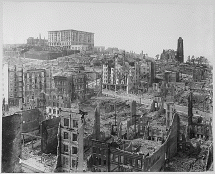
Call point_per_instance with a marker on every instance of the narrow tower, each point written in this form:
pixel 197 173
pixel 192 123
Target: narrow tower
pixel 180 50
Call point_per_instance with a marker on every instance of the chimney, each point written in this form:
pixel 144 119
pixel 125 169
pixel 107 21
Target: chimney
pixel 133 108
pixel 97 122
pixel 190 109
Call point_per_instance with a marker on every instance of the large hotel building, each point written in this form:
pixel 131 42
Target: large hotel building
pixel 71 39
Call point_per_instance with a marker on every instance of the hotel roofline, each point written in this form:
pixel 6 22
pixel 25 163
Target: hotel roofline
pixel 71 30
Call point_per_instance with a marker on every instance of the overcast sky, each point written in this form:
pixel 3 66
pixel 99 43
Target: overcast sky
pixel 133 27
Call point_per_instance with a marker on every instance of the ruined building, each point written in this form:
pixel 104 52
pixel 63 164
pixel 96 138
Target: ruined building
pixel 168 55
pixel 68 86
pixel 15 85
pixel 132 77
pixel 34 84
pixel 113 156
pixel 70 145
pixel 199 128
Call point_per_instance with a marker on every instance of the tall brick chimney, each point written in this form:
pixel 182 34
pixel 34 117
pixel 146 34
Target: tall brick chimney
pixel 133 112
pixel 133 108
pixel 190 108
pixel 97 122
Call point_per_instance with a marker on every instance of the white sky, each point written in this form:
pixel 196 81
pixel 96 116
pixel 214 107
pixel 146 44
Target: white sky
pixel 129 26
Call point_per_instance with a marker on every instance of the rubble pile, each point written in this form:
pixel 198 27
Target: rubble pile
pixel 198 166
pixel 146 146
pixel 192 160
pixel 44 161
pixel 181 163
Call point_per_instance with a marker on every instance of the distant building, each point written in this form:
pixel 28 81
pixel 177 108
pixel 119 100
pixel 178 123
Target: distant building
pixel 99 49
pixel 69 38
pixel 5 83
pixel 65 87
pixel 151 68
pixel 133 77
pixel 37 42
pixel 79 47
pixel 15 86
pixel 168 55
pixel 72 84
pixel 112 50
pixel 199 73
pixel 55 103
pixel 170 76
pixel 34 88
pixel 180 50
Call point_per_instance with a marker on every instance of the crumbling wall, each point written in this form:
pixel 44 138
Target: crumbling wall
pixel 31 120
pixel 58 164
pixel 156 161
pixel 11 143
pixel 49 131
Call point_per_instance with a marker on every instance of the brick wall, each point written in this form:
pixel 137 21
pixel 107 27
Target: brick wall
pixel 49 130
pixel 31 120
pixel 11 143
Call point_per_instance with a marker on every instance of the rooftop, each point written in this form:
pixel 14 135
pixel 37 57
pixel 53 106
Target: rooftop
pixel 70 30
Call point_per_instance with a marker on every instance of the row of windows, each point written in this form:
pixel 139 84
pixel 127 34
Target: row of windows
pixel 60 82
pixel 62 90
pixel 55 111
pixel 65 162
pixel 79 80
pixel 40 74
pixel 69 37
pixel 57 104
pixel 77 87
pixel 66 136
pixel 30 80
pixel 36 86
pixel 98 161
pixel 66 123
pixel 128 161
pixel 66 149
